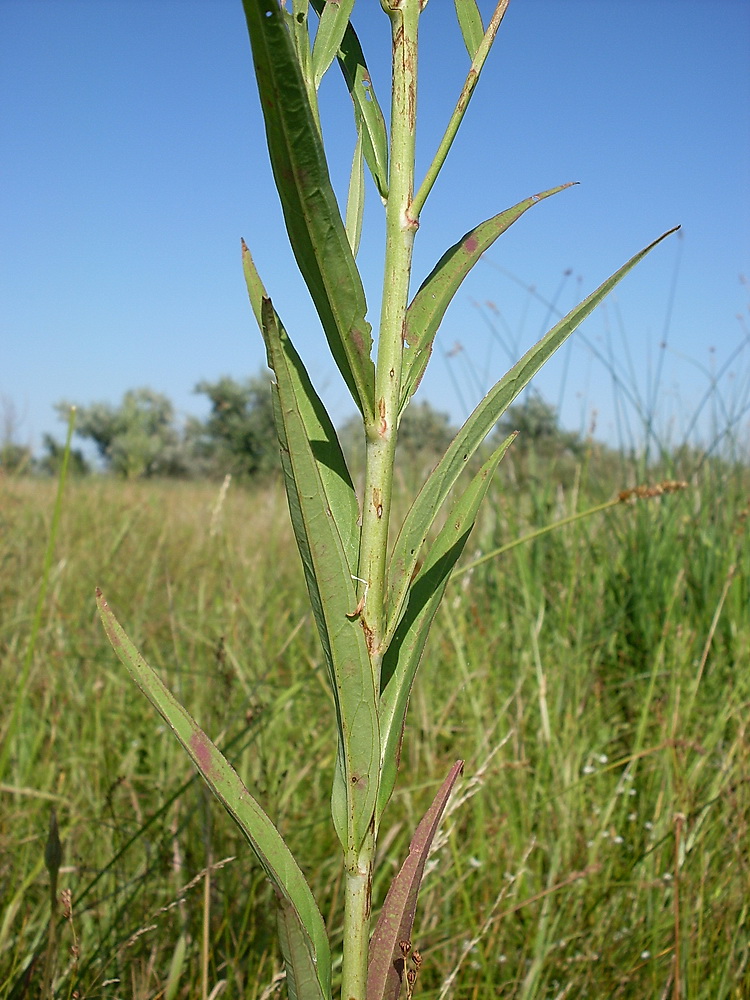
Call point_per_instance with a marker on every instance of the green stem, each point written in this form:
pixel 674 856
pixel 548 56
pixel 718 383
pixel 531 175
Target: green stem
pixel 357 900
pixel 382 430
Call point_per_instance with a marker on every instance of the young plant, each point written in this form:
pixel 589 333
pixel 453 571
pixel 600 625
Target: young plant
pixel 373 606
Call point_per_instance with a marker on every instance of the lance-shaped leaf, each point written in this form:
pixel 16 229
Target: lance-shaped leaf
pixel 355 202
pixel 313 221
pixel 334 19
pixel 366 107
pixel 265 840
pixel 332 595
pixel 426 311
pixel 385 971
pixel 428 502
pixel 334 473
pixel 470 22
pixel 302 982
pixel 402 658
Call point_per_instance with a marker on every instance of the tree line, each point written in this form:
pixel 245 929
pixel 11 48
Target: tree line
pixel 142 436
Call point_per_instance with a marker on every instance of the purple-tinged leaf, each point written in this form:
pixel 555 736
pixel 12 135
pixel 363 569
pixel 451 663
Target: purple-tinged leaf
pixel 265 840
pixel 385 971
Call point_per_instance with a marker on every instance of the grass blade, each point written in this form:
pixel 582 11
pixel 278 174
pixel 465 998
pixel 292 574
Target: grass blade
pixel 425 593
pixel 313 221
pixel 265 840
pixel 470 22
pixel 332 593
pixel 426 311
pixel 432 495
pixel 387 956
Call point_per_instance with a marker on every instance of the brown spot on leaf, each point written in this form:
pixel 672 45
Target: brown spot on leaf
pixel 201 747
pixel 357 339
pixel 471 244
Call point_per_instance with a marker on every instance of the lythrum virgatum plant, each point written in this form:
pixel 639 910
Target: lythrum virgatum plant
pixel 373 604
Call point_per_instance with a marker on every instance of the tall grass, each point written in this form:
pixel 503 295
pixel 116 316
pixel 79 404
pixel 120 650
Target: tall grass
pixel 601 670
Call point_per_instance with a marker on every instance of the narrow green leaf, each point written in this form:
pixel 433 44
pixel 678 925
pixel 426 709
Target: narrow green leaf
pixel 265 840
pixel 333 23
pixel 332 468
pixel 425 593
pixel 470 22
pixel 301 977
pixel 176 967
pixel 454 122
pixel 426 311
pixel 332 594
pixel 430 498
pixel 313 221
pixel 387 961
pixel 366 107
pixel 355 202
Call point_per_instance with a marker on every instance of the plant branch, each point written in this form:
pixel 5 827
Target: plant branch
pixel 463 102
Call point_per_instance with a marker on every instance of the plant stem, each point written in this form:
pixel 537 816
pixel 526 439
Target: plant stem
pixel 381 432
pixel 357 890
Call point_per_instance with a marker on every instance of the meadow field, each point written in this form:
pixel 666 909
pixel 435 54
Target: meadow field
pixel 596 680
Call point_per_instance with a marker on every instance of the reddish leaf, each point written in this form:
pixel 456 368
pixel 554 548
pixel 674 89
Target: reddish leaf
pixel 387 959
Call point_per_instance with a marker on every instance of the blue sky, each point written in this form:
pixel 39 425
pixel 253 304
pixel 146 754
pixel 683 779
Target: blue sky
pixel 134 160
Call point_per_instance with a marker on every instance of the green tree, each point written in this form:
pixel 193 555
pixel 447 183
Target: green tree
pixel 14 457
pixel 538 426
pixel 239 435
pixel 52 458
pixel 135 439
